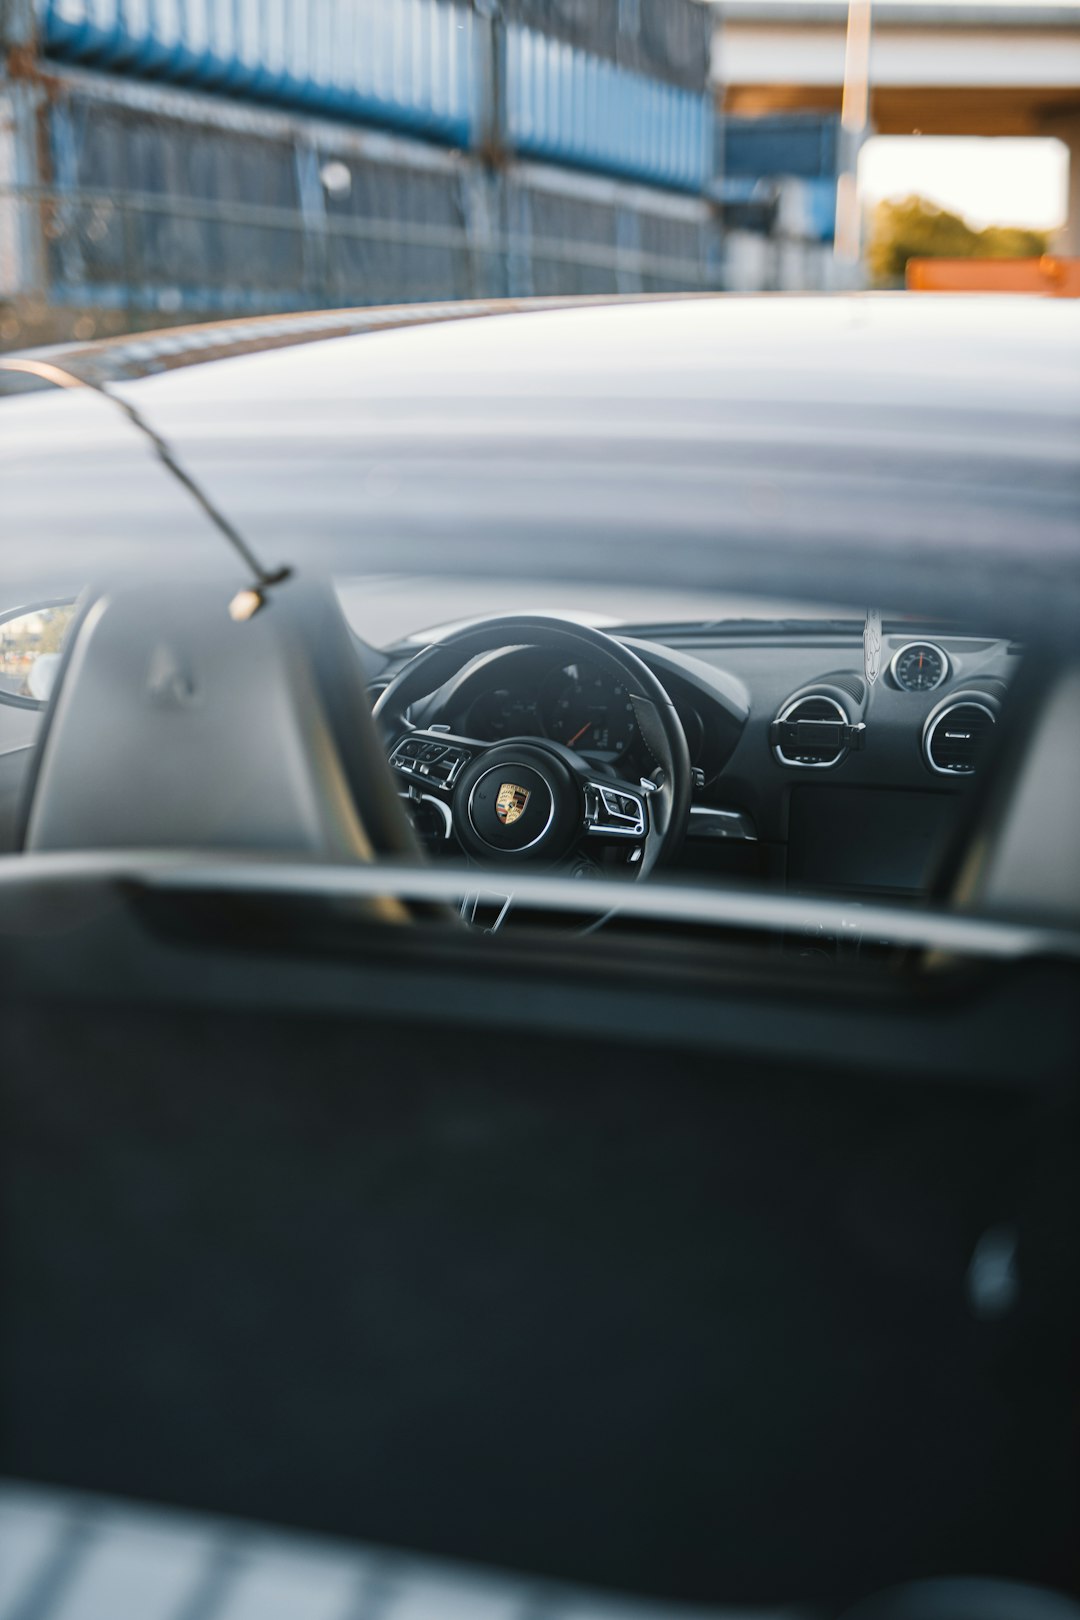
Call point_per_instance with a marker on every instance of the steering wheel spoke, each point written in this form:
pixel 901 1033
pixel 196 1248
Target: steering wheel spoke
pixel 433 761
pixel 615 809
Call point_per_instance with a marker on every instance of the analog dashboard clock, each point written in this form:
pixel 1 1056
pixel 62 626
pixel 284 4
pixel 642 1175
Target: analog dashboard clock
pixel 919 667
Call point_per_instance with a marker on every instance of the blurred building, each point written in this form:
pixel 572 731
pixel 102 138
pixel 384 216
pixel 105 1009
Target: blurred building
pixel 183 161
pixel 777 183
pixel 936 68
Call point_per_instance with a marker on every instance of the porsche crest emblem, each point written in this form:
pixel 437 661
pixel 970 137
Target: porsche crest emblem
pixel 511 802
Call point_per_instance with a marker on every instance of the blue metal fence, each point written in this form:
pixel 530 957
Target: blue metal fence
pixel 407 64
pixel 154 202
pixel 668 40
pixel 417 66
pixel 188 158
pixel 568 106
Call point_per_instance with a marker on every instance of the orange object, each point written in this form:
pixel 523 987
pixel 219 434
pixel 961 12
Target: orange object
pixel 1051 276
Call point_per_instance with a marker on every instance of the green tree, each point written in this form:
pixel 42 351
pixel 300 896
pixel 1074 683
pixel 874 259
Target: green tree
pixel 913 228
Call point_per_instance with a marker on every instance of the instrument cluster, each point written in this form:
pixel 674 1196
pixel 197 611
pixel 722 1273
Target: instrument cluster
pixel 581 705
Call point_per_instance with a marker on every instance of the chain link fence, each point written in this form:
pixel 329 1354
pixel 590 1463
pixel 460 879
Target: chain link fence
pixel 146 207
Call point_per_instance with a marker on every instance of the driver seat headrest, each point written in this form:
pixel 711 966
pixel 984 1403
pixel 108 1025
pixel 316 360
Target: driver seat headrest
pixel 172 726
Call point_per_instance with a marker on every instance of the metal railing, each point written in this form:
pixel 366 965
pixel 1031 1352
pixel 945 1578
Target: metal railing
pixel 139 252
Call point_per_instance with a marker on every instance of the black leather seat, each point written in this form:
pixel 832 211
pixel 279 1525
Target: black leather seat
pixel 173 726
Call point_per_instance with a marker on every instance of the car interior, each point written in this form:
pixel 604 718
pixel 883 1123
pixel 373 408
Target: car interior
pixel 760 707
pixel 717 726
pixel 584 1103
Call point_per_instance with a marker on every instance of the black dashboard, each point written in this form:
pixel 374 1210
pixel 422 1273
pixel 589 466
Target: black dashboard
pixel 806 774
pixel 524 692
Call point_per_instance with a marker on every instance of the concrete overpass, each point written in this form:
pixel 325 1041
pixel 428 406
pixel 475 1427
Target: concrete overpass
pixel 935 68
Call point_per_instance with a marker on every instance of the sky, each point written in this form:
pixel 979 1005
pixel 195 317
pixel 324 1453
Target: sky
pixel 991 182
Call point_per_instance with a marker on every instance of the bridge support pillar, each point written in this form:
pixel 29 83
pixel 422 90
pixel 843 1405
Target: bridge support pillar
pixel 1068 130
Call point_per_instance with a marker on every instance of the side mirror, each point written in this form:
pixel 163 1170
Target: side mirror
pixel 31 642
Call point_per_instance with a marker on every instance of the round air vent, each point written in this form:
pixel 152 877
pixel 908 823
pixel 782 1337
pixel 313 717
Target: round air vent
pixel 810 712
pixel 848 682
pixel 955 736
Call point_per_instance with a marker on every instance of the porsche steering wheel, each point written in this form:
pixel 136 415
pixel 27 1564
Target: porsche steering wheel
pixel 530 799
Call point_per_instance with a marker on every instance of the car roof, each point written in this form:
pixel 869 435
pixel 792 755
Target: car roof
pixel 1036 338
pixel 923 449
